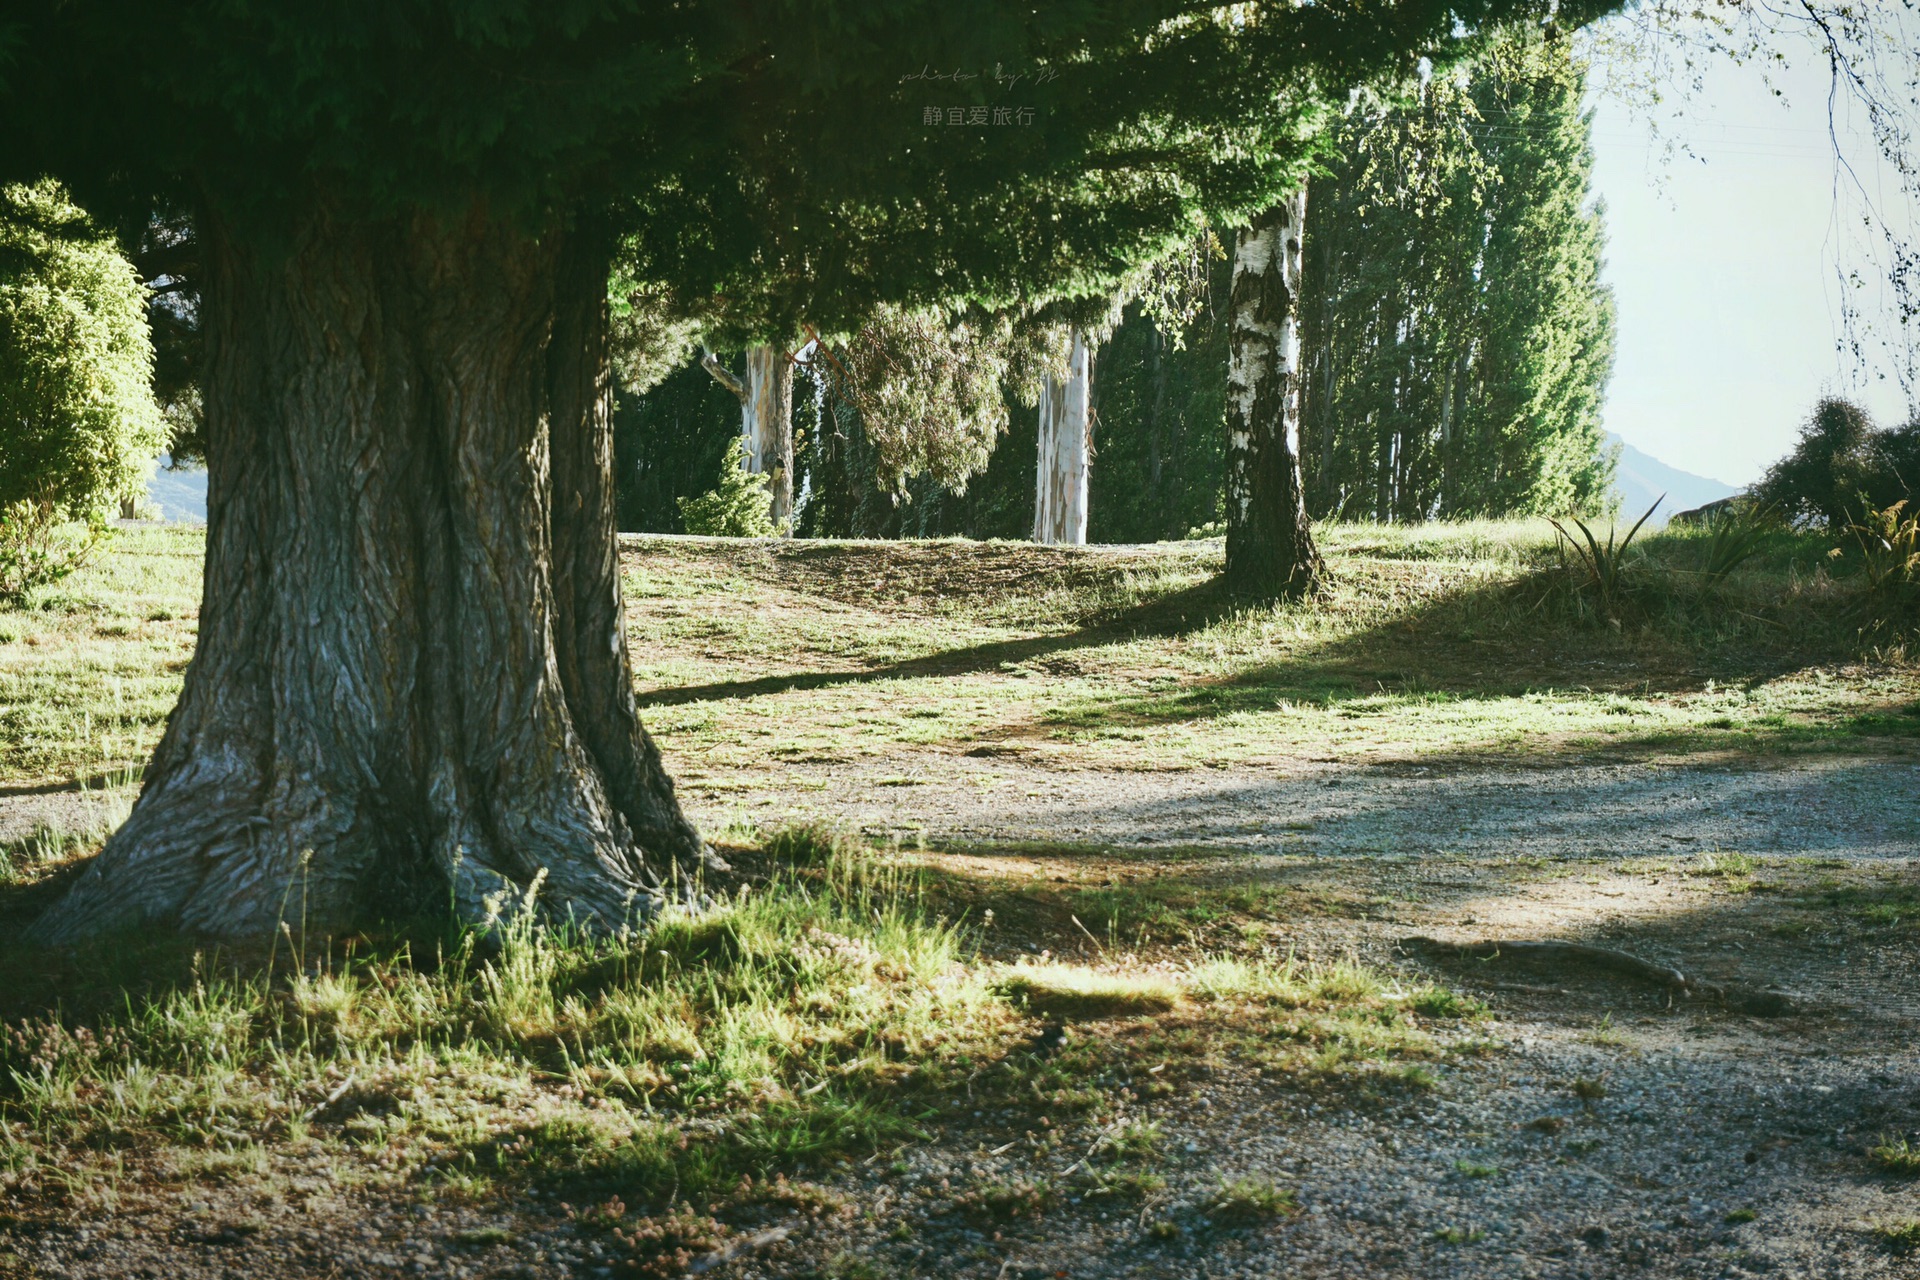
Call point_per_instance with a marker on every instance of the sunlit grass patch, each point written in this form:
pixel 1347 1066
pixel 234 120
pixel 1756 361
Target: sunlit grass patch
pixel 1251 1199
pixel 800 1008
pixel 1436 638
pixel 1722 864
pixel 1079 992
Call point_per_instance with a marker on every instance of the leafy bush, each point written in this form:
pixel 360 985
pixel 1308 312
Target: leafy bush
pixel 1843 468
pixel 740 508
pixel 1889 542
pixel 78 424
pixel 37 548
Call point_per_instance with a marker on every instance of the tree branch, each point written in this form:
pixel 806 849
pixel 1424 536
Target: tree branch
pixel 723 375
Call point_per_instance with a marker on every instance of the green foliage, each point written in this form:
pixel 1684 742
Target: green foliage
pixel 669 442
pixel 1733 537
pixel 1901 1236
pixel 1843 468
pixel 930 389
pixel 825 187
pixel 1159 400
pixel 1895 1155
pixel 38 548
pixel 1604 564
pixel 1456 337
pixel 1889 542
pixel 1251 1199
pixel 78 424
pixel 738 508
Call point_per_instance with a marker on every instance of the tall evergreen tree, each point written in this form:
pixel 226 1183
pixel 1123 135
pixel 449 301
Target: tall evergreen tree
pixel 412 682
pixel 1458 336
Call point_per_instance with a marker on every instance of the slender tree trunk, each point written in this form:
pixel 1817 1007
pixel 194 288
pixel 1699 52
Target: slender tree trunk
pixel 766 423
pixel 1270 551
pixel 1443 500
pixel 411 687
pixel 1066 451
pixel 1157 377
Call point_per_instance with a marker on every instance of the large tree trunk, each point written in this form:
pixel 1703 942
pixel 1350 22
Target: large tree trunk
pixel 1270 551
pixel 766 423
pixel 411 687
pixel 1066 451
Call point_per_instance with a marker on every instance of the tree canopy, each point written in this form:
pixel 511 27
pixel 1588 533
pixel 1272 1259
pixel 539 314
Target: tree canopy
pixel 779 156
pixel 1458 336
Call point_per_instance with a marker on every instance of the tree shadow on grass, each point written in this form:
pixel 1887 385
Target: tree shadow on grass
pixel 1178 613
pixel 1492 640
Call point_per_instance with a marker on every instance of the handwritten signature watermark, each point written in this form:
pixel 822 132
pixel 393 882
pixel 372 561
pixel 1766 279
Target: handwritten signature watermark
pixel 1001 76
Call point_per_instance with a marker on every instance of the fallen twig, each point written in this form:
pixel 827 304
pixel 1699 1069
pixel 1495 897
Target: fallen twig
pixel 332 1098
pixel 728 1252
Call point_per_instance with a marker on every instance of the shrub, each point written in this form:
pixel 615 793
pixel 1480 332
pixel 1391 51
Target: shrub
pixel 1604 564
pixel 741 507
pixel 1843 468
pixel 37 548
pixel 78 424
pixel 1889 541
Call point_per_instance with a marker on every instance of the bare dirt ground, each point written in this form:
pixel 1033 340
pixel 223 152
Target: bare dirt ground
pixel 1707 1143
pixel 1707 1116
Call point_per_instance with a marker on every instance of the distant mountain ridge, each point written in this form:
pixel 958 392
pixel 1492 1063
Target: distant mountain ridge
pixel 1641 478
pixel 180 495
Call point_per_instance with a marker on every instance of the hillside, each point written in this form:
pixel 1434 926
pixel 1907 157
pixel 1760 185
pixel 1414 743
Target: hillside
pixel 1641 478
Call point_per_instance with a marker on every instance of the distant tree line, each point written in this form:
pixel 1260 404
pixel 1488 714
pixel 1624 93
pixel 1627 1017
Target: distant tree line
pixel 1457 346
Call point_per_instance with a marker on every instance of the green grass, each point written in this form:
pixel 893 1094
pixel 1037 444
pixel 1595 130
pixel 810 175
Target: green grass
pixel 1455 638
pixel 89 669
pixel 1901 1236
pixel 1897 1156
pixel 1251 1199
pixel 823 1008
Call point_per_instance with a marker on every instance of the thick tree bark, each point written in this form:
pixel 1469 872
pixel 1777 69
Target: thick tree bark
pixel 1065 472
pixel 411 687
pixel 1270 551
pixel 766 423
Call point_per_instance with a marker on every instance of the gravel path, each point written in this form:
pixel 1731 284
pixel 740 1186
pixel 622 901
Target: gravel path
pixel 1858 807
pixel 1718 1145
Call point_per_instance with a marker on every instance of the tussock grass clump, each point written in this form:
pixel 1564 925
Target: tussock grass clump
pixel 1251 1199
pixel 1722 864
pixel 1076 992
pixel 1901 1236
pixel 1897 1156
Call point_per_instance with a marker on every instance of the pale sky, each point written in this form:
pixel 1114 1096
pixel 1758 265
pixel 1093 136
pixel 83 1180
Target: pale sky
pixel 1723 268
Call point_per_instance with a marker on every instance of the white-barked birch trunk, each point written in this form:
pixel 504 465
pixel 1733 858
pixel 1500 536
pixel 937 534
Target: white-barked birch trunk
pixel 766 422
pixel 1270 549
pixel 1066 450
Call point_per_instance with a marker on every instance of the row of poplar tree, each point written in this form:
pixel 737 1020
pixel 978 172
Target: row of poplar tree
pixel 1456 344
